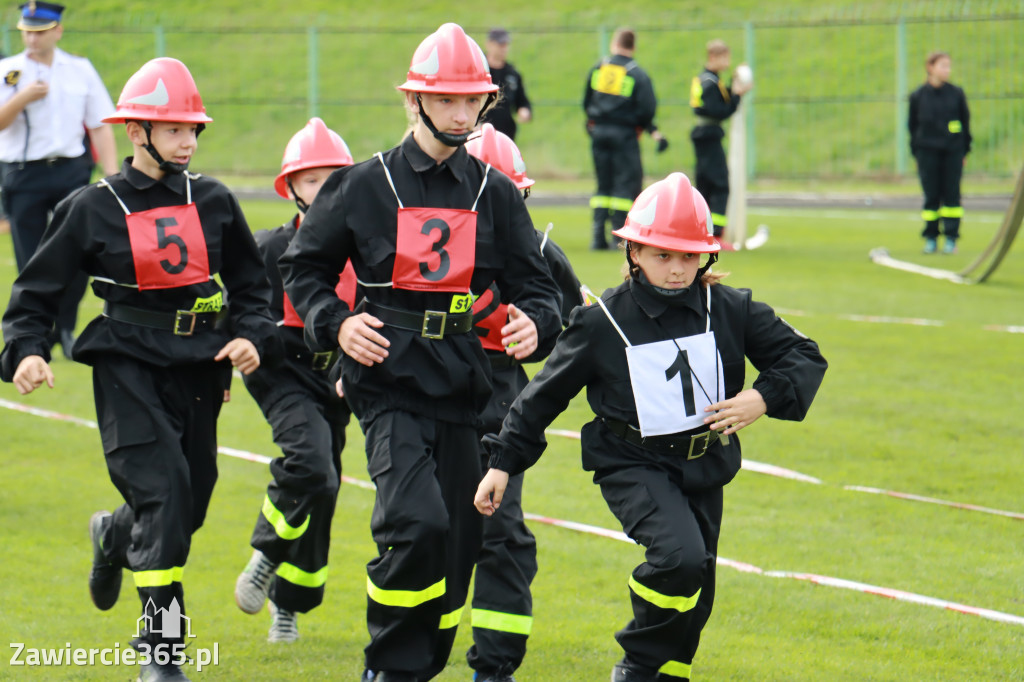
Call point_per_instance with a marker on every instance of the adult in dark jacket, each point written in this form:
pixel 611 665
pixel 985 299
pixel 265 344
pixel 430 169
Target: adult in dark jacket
pixel 512 103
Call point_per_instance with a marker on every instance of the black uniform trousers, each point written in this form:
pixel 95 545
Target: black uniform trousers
pixel 293 528
pixel 712 179
pixel 30 192
pixel 940 171
pixel 427 534
pixel 620 175
pixel 159 432
pixel 502 614
pixel 672 592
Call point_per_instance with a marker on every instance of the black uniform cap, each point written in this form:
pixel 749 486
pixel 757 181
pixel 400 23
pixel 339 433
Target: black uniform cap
pixel 39 16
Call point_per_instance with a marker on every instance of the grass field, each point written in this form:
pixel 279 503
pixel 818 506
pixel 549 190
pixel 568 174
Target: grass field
pixel 930 410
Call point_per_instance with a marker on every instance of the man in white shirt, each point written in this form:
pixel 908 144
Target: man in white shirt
pixel 50 102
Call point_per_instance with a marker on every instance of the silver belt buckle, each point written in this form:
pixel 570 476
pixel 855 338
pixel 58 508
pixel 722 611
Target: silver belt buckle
pixel 179 317
pixel 704 439
pixel 433 324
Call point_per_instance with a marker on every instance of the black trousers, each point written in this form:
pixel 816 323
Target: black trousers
pixel 293 528
pixel 427 533
pixel 502 603
pixel 712 179
pixel 940 172
pixel 620 176
pixel 159 432
pixel 672 592
pixel 29 194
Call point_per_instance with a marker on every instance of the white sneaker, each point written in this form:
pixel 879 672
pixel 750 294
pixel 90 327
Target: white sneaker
pixel 283 627
pixel 253 584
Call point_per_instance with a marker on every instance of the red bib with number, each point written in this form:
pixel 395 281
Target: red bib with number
pixel 346 290
pixel 168 247
pixel 435 249
pixel 489 316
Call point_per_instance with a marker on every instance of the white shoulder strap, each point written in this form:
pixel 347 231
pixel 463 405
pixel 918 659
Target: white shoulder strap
pixel 587 293
pixel 387 173
pixel 104 183
pixel 482 185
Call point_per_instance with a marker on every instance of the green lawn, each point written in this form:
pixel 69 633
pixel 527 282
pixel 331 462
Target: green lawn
pixel 930 410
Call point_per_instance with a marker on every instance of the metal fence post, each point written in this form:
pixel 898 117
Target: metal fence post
pixel 901 97
pixel 159 44
pixel 314 62
pixel 7 41
pixel 748 99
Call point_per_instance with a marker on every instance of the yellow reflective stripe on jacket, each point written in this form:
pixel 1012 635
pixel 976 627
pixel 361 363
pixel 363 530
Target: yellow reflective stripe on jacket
pixel 451 620
pixel 951 212
pixel 620 203
pixel 296 576
pixel 718 220
pixel 600 201
pixel 676 669
pixel 929 216
pixel 955 127
pixel 696 93
pixel 502 622
pixel 681 604
pixel 276 519
pixel 160 578
pixel 406 598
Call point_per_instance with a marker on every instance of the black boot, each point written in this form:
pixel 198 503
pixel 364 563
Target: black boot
pixel 598 242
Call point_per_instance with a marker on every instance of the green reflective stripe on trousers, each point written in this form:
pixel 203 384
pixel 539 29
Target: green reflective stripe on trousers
pixel 276 519
pixel 406 598
pixel 599 201
pixel 502 622
pixel 718 219
pixel 620 204
pixel 929 216
pixel 296 576
pixel 159 578
pixel 451 620
pixel 681 604
pixel 951 212
pixel 676 669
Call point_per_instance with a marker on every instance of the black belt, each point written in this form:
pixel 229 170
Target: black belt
pixel 181 322
pixel 431 324
pixel 49 162
pixel 318 361
pixel 500 360
pixel 694 446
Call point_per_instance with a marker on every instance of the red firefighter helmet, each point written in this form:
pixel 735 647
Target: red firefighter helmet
pixel 315 146
pixel 162 90
pixel 496 148
pixel 672 215
pixel 449 61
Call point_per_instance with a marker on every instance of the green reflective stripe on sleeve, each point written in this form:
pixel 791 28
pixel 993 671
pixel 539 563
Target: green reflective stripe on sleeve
pixel 502 622
pixel 276 519
pixel 718 220
pixel 676 669
pixel 451 620
pixel 600 201
pixel 296 576
pixel 951 212
pixel 159 578
pixel 627 86
pixel 929 216
pixel 406 598
pixel 619 203
pixel 955 127
pixel 681 604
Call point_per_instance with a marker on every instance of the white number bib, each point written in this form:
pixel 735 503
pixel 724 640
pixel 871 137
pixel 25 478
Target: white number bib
pixel 672 384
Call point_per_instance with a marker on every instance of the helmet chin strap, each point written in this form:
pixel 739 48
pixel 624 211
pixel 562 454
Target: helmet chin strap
pixel 165 165
pixel 638 274
pixel 299 203
pixel 448 138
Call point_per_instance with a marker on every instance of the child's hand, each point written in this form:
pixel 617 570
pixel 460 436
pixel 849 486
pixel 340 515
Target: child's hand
pixel 737 412
pixel 519 336
pixel 242 354
pixel 359 341
pixel 490 491
pixel 31 373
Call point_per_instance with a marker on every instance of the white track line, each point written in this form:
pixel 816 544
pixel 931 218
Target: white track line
pixel 933 500
pixel 882 319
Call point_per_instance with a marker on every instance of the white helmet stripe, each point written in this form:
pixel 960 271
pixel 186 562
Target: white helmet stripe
pixel 429 66
pixel 646 215
pixel 158 97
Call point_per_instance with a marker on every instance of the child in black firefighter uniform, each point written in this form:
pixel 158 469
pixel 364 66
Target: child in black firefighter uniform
pixel 293 530
pixel 427 227
pixel 940 139
pixel 152 238
pixel 502 613
pixel 668 397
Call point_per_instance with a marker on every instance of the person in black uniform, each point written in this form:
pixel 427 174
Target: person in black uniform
pixel 512 98
pixel 620 104
pixel 292 537
pixel 940 139
pixel 668 399
pixel 152 237
pixel 427 227
pixel 502 613
pixel 713 103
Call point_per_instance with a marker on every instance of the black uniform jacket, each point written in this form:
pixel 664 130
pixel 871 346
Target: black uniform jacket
pixel 710 99
pixel 564 275
pixel 931 113
pixel 513 98
pixel 89 233
pixel 591 354
pixel 633 106
pixel 354 216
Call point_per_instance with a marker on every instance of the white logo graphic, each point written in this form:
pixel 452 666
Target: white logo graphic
pixel 171 620
pixel 292 153
pixel 646 215
pixel 429 66
pixel 711 224
pixel 517 163
pixel 157 98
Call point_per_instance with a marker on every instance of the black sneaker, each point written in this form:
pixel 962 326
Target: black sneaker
pixel 625 671
pixel 105 577
pixel 161 673
pixel 492 677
